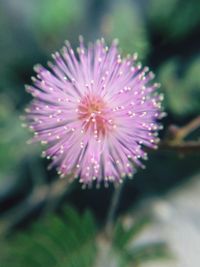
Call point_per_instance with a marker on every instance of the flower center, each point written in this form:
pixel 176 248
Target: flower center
pixel 93 113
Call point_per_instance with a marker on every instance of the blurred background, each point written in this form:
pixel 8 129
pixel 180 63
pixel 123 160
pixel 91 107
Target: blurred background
pixel 156 221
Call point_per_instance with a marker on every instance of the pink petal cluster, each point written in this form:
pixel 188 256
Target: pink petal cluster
pixel 95 111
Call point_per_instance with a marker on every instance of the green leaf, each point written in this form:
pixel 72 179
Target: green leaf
pixel 57 241
pixel 174 18
pixel 13 147
pixel 59 19
pixel 126 23
pixel 146 252
pixel 182 92
pixel 122 237
pixel 129 250
pixel 56 15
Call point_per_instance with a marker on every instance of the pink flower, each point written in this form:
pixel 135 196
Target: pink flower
pixel 95 112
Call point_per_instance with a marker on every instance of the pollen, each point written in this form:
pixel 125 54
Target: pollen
pixel 94 115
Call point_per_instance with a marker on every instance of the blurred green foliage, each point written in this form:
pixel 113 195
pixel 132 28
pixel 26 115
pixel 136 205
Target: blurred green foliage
pixel 69 240
pixel 175 18
pixel 182 91
pixel 59 19
pixel 70 11
pixel 125 23
pixel 60 241
pixel 129 252
pixel 13 139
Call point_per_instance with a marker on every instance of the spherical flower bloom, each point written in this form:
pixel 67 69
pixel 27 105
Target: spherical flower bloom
pixel 95 111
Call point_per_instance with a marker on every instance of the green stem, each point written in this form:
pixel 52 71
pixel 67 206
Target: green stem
pixel 113 207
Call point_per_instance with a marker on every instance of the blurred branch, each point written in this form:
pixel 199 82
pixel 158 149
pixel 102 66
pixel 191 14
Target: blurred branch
pixel 189 128
pixel 44 197
pixel 176 134
pixel 174 139
pixel 182 147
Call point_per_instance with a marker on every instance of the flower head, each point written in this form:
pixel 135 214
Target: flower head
pixel 95 111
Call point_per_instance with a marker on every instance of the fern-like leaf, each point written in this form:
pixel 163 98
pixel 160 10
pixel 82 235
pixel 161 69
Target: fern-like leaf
pixel 122 236
pixel 57 241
